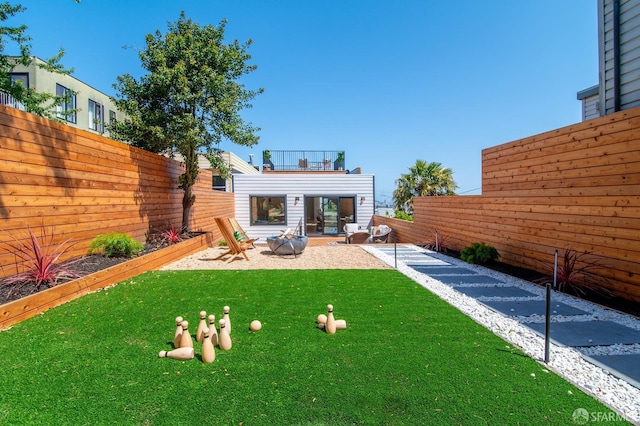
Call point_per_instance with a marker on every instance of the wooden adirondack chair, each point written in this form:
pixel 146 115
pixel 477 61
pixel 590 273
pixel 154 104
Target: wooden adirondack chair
pixel 236 248
pixel 237 228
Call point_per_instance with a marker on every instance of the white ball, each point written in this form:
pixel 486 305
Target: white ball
pixel 255 325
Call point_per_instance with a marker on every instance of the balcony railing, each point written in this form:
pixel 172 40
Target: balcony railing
pixel 303 160
pixel 7 99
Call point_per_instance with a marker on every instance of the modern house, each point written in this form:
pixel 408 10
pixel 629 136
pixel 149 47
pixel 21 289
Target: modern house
pixel 309 192
pixel 619 60
pixel 86 108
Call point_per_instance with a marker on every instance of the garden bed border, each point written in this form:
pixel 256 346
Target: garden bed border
pixel 37 303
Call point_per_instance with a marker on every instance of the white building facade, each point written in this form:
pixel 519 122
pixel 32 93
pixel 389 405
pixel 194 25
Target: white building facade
pixel 313 204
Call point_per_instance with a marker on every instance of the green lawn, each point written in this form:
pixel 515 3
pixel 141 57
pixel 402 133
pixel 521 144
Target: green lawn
pixel 406 357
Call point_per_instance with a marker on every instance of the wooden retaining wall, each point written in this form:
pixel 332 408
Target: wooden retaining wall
pixel 80 184
pixel 576 187
pixel 37 303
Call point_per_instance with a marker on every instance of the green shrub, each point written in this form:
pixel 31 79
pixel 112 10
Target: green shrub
pixel 115 244
pixel 399 214
pixel 479 253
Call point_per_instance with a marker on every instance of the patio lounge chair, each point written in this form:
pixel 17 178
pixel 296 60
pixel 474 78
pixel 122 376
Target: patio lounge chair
pixel 380 234
pixel 237 229
pixel 354 235
pixel 350 229
pixel 361 237
pixel 236 248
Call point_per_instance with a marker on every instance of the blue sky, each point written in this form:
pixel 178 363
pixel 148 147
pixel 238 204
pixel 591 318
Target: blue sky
pixel 389 82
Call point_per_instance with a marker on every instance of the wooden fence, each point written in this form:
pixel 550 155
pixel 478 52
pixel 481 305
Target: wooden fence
pixel 79 184
pixel 577 188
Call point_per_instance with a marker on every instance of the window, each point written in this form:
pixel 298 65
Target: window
pixel 96 116
pixel 20 78
pixel 66 110
pixel 219 184
pixel 112 117
pixel 268 210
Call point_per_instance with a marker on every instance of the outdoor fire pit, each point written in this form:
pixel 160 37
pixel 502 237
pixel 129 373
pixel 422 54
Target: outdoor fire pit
pixel 287 244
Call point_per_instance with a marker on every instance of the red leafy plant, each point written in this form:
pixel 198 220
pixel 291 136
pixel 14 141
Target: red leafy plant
pixel 171 235
pixel 38 258
pixel 578 273
pixel 437 242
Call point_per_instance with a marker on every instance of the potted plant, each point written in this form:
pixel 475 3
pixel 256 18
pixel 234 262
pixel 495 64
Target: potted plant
pixel 340 160
pixel 266 159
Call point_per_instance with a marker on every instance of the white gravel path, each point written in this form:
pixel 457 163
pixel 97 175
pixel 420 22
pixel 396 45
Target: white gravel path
pixel 567 362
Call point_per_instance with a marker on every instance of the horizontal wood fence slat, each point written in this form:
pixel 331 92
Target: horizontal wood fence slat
pixel 79 184
pixel 577 187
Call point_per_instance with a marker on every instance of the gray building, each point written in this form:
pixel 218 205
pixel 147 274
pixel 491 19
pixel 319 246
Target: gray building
pixel 86 108
pixel 619 60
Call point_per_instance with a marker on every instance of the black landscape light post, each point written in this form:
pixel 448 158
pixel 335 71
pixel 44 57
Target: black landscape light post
pixel 548 310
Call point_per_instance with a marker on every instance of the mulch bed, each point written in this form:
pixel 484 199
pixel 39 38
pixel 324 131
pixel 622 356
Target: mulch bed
pixel 84 266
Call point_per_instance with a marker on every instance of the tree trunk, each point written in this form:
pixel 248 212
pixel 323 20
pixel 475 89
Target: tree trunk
pixel 188 199
pixel 187 180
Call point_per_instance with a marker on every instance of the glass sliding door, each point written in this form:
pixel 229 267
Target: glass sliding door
pixel 327 215
pixel 330 211
pixel 347 211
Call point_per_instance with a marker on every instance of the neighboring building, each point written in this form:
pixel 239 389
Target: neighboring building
pixel 238 167
pixel 306 191
pixel 86 108
pixel 235 163
pixel 619 60
pixel 590 102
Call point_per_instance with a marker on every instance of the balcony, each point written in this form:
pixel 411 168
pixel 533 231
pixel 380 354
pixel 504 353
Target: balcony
pixel 303 160
pixel 7 99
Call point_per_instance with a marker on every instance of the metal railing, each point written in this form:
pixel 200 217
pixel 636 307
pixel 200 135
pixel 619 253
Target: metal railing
pixel 7 99
pixel 303 160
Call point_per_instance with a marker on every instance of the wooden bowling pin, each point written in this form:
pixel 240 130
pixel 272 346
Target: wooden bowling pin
pixel 208 352
pixel 322 319
pixel 201 326
pixel 178 334
pixel 212 330
pixel 330 326
pixel 340 325
pixel 224 340
pixel 226 318
pixel 180 353
pixel 185 339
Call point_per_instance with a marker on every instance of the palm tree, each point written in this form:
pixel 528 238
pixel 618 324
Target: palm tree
pixel 423 179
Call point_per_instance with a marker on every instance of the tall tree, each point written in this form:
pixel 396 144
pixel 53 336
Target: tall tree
pixel 423 179
pixel 38 103
pixel 189 100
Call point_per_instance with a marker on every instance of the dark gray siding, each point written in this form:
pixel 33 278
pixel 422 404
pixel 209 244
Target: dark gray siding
pixel 629 55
